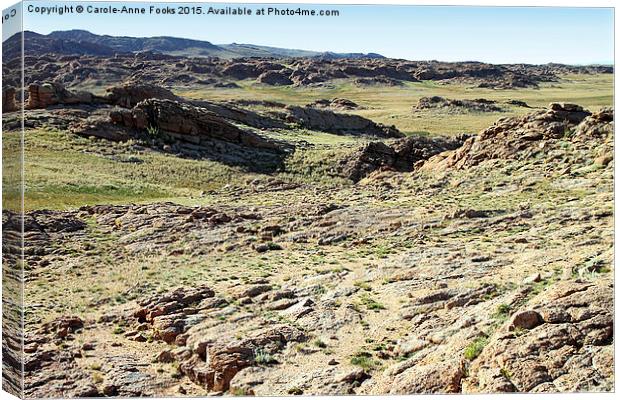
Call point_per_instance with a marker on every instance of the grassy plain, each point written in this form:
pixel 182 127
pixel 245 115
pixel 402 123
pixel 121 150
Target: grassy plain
pixel 392 105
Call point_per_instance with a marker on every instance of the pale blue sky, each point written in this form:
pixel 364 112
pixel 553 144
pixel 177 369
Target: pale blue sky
pixel 491 34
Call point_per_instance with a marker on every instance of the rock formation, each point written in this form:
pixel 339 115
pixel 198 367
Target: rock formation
pixel 341 124
pixel 401 155
pixel 475 105
pixel 52 93
pixel 511 137
pixel 8 100
pixel 187 123
pixel 130 94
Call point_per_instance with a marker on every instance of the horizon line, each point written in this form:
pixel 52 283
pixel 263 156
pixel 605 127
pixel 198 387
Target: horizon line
pixel 319 52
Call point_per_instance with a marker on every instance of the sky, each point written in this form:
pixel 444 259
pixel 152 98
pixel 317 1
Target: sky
pixel 448 33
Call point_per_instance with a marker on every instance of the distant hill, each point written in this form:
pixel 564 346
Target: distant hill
pixel 86 43
pixel 38 44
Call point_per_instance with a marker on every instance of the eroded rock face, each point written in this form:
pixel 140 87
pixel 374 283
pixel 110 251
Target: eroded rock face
pixel 341 124
pixel 8 99
pixel 441 378
pixel 224 358
pixel 52 93
pixel 554 348
pixel 522 136
pixel 149 227
pixel 598 125
pixel 188 123
pixel 50 362
pixel 126 95
pixel 401 155
pixel 171 314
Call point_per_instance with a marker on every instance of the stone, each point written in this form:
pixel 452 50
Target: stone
pixel 444 377
pixel 88 346
pixel 165 356
pixel 528 319
pixel 355 375
pixel 604 159
pixel 532 279
pixel 410 346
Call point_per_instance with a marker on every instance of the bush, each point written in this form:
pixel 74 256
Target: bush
pixel 263 357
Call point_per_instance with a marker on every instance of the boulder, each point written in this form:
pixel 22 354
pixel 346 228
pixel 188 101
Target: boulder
pixel 528 319
pixel 442 377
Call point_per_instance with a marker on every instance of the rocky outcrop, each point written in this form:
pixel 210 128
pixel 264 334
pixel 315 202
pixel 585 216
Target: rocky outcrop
pixel 148 227
pixel 475 105
pixel 523 136
pixel 187 123
pixel 216 363
pixel 8 100
pixel 275 78
pixel 170 315
pixel 563 348
pixel 401 155
pixel 598 125
pixel 232 112
pixel 335 104
pixel 44 64
pixel 377 81
pixel 340 124
pixel 52 93
pixel 241 71
pixel 126 95
pixel 129 94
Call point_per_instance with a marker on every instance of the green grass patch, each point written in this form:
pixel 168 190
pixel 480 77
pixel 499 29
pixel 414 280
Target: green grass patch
pixel 473 350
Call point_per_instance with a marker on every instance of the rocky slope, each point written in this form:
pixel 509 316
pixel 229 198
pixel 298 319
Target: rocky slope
pixel 486 266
